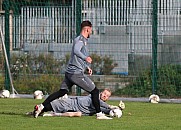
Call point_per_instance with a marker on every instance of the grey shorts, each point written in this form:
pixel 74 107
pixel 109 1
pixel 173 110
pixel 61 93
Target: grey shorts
pixel 81 80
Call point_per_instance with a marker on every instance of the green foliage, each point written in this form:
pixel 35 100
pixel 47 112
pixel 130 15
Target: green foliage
pixel 96 63
pixel 1 69
pixel 102 64
pixel 108 65
pixel 137 64
pixel 1 82
pixel 1 61
pixel 32 72
pixel 46 83
pixel 168 83
pixel 32 64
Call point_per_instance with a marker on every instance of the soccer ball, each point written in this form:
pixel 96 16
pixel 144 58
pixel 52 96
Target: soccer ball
pixel 38 94
pixel 116 113
pixel 5 94
pixel 154 98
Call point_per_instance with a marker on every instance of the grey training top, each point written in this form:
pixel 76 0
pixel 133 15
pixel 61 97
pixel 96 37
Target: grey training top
pixel 79 104
pixel 77 62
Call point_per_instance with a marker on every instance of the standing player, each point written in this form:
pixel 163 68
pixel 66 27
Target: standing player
pixel 74 75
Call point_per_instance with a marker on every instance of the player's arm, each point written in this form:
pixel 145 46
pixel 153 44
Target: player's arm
pixel 105 107
pixel 120 106
pixel 105 110
pixel 77 51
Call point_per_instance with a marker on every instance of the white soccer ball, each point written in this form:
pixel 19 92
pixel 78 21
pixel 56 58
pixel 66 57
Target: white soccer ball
pixel 154 98
pixel 5 94
pixel 38 94
pixel 116 113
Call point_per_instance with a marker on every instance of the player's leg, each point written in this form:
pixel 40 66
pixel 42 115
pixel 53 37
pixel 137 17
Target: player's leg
pixel 86 83
pixel 40 109
pixel 72 114
pixel 66 84
pixel 63 90
pixel 95 99
pixel 47 107
pixel 54 96
pixel 96 102
pixel 59 107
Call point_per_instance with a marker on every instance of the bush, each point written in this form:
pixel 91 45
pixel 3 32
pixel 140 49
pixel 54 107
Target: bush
pixel 1 82
pixel 31 72
pixel 46 83
pixel 32 64
pixel 168 83
pixel 102 65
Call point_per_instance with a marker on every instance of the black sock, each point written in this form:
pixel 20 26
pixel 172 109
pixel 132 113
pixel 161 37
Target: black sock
pixel 95 99
pixel 54 96
pixel 48 107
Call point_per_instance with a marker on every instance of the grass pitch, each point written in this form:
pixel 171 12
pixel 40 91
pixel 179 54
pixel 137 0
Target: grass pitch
pixel 136 116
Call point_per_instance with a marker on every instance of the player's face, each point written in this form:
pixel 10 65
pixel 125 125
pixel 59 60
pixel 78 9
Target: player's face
pixel 89 31
pixel 105 95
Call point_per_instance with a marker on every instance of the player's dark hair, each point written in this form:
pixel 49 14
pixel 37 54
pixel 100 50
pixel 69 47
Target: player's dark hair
pixel 86 23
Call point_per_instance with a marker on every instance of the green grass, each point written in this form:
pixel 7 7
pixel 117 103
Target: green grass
pixel 136 116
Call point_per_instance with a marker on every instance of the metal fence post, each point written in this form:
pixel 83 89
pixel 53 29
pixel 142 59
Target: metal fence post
pixel 154 45
pixel 7 42
pixel 78 22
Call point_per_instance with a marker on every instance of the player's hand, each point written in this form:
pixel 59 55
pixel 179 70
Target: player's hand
pixel 122 105
pixel 89 59
pixel 113 107
pixel 89 71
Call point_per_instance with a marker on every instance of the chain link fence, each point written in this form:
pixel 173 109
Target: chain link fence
pixel 122 44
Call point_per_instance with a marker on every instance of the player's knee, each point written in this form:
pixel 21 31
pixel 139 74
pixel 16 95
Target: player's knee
pixel 95 91
pixel 63 92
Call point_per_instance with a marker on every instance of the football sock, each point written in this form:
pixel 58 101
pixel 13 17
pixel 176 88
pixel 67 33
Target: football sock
pixel 95 99
pixel 54 96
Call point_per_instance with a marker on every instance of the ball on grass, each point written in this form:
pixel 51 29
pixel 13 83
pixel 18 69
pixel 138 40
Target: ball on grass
pixel 154 98
pixel 38 94
pixel 116 113
pixel 5 94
